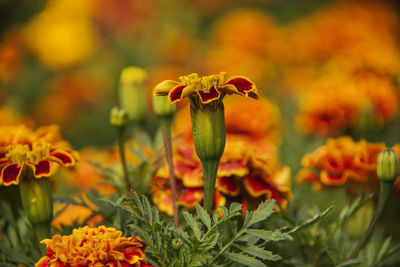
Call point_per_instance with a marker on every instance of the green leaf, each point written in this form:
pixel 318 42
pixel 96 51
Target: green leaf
pixel 234 207
pixel 258 252
pixel 352 262
pixel 203 215
pixel 263 211
pixel 269 235
pixel 148 212
pixel 193 224
pixel 312 220
pixel 384 248
pixel 243 259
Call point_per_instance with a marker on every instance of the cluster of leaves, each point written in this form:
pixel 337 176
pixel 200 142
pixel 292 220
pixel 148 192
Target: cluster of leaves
pixel 17 243
pixel 217 239
pixel 320 244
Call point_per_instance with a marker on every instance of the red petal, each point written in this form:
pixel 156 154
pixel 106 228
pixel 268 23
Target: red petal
pixel 191 197
pixel 63 157
pixel 227 185
pixel 176 93
pixel 207 97
pixel 42 168
pixel 332 178
pixel 243 85
pixel 4 161
pixel 11 173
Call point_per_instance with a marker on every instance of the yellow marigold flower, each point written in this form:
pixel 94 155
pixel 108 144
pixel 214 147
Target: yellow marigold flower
pixel 340 161
pixel 99 246
pixel 41 150
pixel 207 88
pixel 63 35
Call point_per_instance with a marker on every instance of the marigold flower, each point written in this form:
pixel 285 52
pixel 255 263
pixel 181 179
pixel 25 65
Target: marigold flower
pixel 99 246
pixel 41 151
pixel 207 88
pixel 340 161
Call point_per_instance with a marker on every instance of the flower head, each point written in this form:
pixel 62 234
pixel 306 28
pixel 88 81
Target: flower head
pixel 206 89
pixel 99 246
pixel 42 151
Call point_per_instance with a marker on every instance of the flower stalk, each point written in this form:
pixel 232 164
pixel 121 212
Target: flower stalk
pixel 37 202
pixel 387 171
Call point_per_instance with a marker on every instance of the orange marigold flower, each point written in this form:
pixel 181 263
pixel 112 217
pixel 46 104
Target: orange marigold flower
pixel 241 173
pixel 207 88
pixel 330 106
pixel 339 161
pixel 42 150
pixel 99 246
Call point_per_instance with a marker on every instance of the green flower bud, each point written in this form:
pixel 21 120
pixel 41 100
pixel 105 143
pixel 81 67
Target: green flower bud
pixel 387 165
pixel 36 198
pixel 118 117
pixel 176 243
pixel 132 93
pixel 162 107
pixel 208 129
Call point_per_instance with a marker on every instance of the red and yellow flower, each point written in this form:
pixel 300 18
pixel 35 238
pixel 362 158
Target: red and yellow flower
pixel 207 88
pixel 99 246
pixel 42 151
pixel 340 161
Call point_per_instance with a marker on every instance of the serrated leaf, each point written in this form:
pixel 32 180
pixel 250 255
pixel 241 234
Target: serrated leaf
pixel 312 220
pixel 193 224
pixel 258 252
pixel 269 235
pixel 243 259
pixel 234 207
pixel 203 215
pixel 148 212
pixel 263 211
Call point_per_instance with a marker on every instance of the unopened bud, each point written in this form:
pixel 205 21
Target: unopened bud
pixel 176 243
pixel 387 165
pixel 118 117
pixel 162 107
pixel 132 92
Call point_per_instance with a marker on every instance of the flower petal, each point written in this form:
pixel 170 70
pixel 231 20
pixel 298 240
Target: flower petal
pixel 164 87
pixel 207 97
pixel 256 186
pixel 227 186
pixel 4 161
pixel 10 174
pixel 190 197
pixel 237 168
pixel 243 86
pixel 176 93
pixel 332 179
pixel 62 157
pixel 163 201
pixel 42 168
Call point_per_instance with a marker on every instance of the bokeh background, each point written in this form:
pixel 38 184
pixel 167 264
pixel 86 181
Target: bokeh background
pixel 329 67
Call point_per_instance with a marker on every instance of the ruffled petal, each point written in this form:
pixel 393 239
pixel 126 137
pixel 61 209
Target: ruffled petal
pixel 227 186
pixel 62 157
pixel 190 197
pixel 256 186
pixel 10 174
pixel 237 168
pixel 243 86
pixel 332 178
pixel 211 95
pixel 164 87
pixel 176 93
pixel 4 161
pixel 163 201
pixel 42 168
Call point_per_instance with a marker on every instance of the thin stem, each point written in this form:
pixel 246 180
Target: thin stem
pixel 42 231
pixel 166 130
pixel 210 169
pixel 120 139
pixel 227 245
pixel 386 189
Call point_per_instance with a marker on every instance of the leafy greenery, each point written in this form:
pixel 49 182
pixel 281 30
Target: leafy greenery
pixel 217 239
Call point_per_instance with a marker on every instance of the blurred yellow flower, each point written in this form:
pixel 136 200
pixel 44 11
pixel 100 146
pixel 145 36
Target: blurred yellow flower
pixel 63 35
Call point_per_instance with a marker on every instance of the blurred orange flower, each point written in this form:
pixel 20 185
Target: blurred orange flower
pixel 340 161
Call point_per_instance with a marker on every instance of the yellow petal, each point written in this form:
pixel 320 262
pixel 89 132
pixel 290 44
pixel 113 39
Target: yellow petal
pixel 164 87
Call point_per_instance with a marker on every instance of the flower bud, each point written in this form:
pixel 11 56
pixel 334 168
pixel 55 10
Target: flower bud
pixel 387 165
pixel 132 93
pixel 162 107
pixel 36 198
pixel 118 117
pixel 208 129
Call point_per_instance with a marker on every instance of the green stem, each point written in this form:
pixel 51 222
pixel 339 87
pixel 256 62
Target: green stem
pixel 166 130
pixel 210 169
pixel 42 231
pixel 120 139
pixel 385 191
